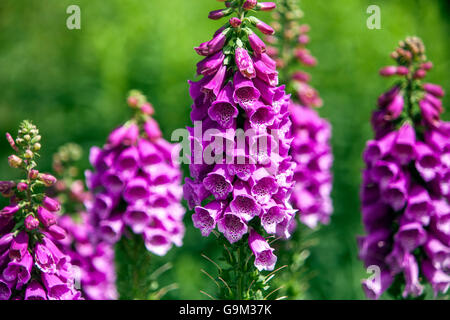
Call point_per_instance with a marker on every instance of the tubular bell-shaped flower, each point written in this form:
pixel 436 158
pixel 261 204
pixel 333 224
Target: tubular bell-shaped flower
pixel 28 256
pixel 404 189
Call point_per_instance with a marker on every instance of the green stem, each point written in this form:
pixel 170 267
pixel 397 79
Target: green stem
pixel 133 263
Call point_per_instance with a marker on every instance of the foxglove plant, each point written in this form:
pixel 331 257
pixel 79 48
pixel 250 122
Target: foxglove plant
pixel 310 148
pixel 93 257
pixel 137 192
pixel 31 265
pixel 243 190
pixel 405 192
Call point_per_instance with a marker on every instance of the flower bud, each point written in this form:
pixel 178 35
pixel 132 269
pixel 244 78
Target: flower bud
pixel 257 44
pixel 37 147
pixel 9 211
pixel 46 217
pixel 388 71
pixel 11 142
pixel 303 39
pixel 47 179
pixel 151 127
pixel 57 232
pixel 147 108
pixel 132 101
pixel 427 65
pixel 6 188
pixel 14 161
pixel 34 174
pixel 217 14
pixel 264 27
pixel 266 6
pixel 420 74
pixel 402 71
pixel 51 204
pixel 250 4
pixel 235 22
pixel 31 222
pixel 28 154
pixel 301 76
pixel 22 186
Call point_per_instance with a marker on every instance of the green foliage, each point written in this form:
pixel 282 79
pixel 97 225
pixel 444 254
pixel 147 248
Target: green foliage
pixel 73 84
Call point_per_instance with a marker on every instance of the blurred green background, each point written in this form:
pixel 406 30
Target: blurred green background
pixel 73 85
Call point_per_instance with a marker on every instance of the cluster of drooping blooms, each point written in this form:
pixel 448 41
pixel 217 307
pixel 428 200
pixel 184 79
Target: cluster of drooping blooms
pixel 310 148
pixel 245 172
pixel 405 192
pixel 31 265
pixel 136 184
pixel 93 257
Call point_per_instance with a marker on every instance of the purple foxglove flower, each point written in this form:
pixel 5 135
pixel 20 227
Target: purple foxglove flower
pixel 395 193
pixel 205 218
pixel 413 286
pixel 35 291
pixel 46 217
pixel 395 259
pixel 375 287
pixel 243 204
pixel 137 217
pixel 9 211
pixel 44 259
pixel 223 110
pixel 404 145
pixel 429 113
pixel 19 246
pixel 116 136
pixel 5 289
pixel 383 172
pixel 152 129
pixel 257 44
pixel 244 63
pixel 212 46
pixel 376 150
pixel 440 281
pixel 435 102
pixel 127 163
pixel 419 205
pixel 242 167
pixel 214 84
pixel 250 4
pixel 376 215
pixel 265 73
pixel 272 217
pixel 438 253
pixel 395 107
pixel 51 204
pixel 410 235
pixel 157 241
pixel 113 184
pixel 5 241
pixel 211 64
pixel 232 226
pixel 262 117
pixel 264 257
pixel 19 270
pixel 245 93
pixel 374 247
pixel 263 186
pixel 218 182
pixel 56 288
pixel 111 229
pixel 57 232
pixel 434 89
pixel 136 190
pixel 103 205
pixel 217 14
pixel 264 27
pixel 194 193
pixel 427 162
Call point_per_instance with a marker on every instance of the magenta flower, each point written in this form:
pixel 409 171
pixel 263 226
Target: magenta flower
pixel 264 257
